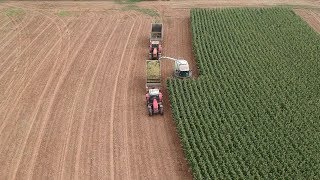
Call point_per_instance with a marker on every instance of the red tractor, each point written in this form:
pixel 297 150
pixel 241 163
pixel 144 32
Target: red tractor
pixel 154 102
pixel 155 49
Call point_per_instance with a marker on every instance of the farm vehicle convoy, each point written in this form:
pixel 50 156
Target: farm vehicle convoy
pixel 154 96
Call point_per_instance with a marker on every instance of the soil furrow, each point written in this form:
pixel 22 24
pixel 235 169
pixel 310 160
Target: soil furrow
pixel 88 95
pixel 57 88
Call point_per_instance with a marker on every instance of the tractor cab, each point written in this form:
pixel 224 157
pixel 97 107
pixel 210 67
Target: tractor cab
pixel 154 94
pixel 155 50
pixel 182 69
pixel 154 44
pixel 154 102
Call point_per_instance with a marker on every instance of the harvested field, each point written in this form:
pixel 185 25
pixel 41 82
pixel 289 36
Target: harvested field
pixel 73 102
pixel 72 83
pixel 311 16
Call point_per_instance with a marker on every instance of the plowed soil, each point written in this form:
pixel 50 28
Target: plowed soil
pixel 72 83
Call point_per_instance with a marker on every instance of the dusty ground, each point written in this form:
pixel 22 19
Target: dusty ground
pixel 72 83
pixel 311 16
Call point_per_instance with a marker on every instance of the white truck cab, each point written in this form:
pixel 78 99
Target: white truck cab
pixel 181 68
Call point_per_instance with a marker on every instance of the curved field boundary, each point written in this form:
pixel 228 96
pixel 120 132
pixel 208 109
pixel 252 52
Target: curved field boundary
pixel 312 17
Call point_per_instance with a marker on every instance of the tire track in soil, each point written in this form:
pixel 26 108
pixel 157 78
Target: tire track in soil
pixel 81 64
pixel 23 74
pixel 78 98
pixel 67 31
pixel 12 45
pixel 13 137
pixel 59 41
pixel 135 171
pixel 52 19
pixel 25 27
pixel 18 95
pixel 23 51
pixel 57 88
pixel 21 88
pixel 96 129
pixel 316 16
pixel 47 54
pixel 55 70
pixel 92 80
pixel 122 121
pixel 16 64
pixel 4 22
pixel 2 54
pixel 59 51
pixel 13 33
pixel 114 91
pixel 311 17
pixel 29 46
pixel 47 15
pixel 129 86
pixel 36 109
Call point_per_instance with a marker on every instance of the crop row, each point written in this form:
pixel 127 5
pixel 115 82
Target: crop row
pixel 254 112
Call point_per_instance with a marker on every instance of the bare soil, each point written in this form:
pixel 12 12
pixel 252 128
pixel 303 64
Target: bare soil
pixel 311 16
pixel 72 83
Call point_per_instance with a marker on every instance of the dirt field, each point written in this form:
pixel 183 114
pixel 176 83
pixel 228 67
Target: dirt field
pixel 72 83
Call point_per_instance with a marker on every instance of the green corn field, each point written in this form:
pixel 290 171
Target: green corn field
pixel 254 110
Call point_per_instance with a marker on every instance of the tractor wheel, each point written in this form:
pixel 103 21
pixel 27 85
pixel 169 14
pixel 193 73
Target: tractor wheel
pixel 161 110
pixel 150 111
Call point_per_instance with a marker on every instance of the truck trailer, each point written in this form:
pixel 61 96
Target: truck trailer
pixel 154 99
pixel 155 46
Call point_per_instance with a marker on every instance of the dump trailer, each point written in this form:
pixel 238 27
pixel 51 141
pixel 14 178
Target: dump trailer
pixel 153 87
pixel 156 32
pixel 156 37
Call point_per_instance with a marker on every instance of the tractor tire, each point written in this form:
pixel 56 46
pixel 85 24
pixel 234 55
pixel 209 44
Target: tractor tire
pixel 150 111
pixel 161 110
